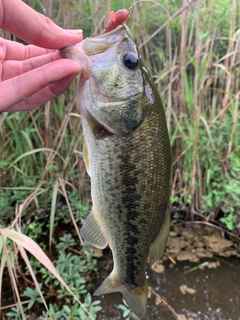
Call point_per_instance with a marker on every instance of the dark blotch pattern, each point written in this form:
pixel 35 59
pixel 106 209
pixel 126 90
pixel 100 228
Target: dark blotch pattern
pixel 131 200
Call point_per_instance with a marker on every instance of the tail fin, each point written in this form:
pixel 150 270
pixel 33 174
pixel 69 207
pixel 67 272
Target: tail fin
pixel 135 298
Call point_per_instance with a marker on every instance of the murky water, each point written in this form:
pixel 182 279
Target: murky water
pixel 217 295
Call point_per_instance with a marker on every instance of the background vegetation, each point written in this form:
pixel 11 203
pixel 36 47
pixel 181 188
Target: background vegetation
pixel 195 61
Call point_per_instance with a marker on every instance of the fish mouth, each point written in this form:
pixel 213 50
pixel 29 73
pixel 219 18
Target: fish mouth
pixel 84 51
pixel 101 43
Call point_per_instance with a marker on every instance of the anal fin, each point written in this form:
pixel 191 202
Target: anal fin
pixel 92 233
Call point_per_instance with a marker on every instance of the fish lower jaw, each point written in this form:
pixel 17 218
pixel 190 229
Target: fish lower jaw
pixel 101 133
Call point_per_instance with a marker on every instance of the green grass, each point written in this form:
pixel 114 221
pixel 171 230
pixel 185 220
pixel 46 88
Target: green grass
pixel 43 184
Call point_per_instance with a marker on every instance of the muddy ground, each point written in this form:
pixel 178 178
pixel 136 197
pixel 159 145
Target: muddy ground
pixel 193 241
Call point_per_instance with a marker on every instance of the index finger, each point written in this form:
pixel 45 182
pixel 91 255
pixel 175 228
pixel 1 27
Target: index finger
pixel 33 27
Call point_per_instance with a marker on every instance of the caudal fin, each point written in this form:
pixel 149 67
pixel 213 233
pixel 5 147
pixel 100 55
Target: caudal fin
pixel 135 298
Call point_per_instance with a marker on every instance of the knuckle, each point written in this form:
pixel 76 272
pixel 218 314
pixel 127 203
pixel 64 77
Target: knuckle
pixel 46 25
pixel 16 86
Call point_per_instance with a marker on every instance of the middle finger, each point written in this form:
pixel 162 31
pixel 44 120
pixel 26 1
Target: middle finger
pixel 13 68
pixel 17 51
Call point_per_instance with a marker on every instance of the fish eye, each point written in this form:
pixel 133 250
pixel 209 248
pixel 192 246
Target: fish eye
pixel 130 61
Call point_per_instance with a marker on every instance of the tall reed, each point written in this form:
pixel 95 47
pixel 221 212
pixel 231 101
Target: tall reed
pixel 195 61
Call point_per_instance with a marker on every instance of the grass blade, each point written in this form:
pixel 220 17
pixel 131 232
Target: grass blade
pixel 31 246
pixel 53 210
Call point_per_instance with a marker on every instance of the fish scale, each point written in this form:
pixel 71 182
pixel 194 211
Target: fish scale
pixel 128 158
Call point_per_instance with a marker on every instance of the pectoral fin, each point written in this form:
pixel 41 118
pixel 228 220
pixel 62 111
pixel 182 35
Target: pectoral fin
pixel 85 157
pixel 158 245
pixel 92 233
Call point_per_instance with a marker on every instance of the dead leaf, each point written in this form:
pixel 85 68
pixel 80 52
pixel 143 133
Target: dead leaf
pixel 184 289
pixel 157 267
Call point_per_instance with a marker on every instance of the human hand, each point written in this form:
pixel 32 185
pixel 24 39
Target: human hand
pixel 31 75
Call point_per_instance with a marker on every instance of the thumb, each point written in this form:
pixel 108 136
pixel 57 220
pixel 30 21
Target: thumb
pixel 33 27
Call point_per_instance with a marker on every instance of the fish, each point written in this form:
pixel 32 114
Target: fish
pixel 128 158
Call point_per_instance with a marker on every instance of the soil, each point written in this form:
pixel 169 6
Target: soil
pixel 194 241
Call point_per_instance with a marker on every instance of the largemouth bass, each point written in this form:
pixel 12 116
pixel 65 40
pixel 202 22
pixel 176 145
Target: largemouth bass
pixel 127 156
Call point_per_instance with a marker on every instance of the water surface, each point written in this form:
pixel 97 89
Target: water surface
pixel 217 295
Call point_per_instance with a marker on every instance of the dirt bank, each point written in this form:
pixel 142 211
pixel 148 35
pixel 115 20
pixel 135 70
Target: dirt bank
pixel 194 241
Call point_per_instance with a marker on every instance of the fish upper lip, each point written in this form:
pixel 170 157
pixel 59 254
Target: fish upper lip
pixel 84 50
pixel 114 36
pixel 103 42
pixel 107 34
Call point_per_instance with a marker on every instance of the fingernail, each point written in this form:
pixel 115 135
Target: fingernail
pixel 74 31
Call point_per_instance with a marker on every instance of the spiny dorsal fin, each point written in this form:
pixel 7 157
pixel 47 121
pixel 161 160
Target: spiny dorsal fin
pixel 158 245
